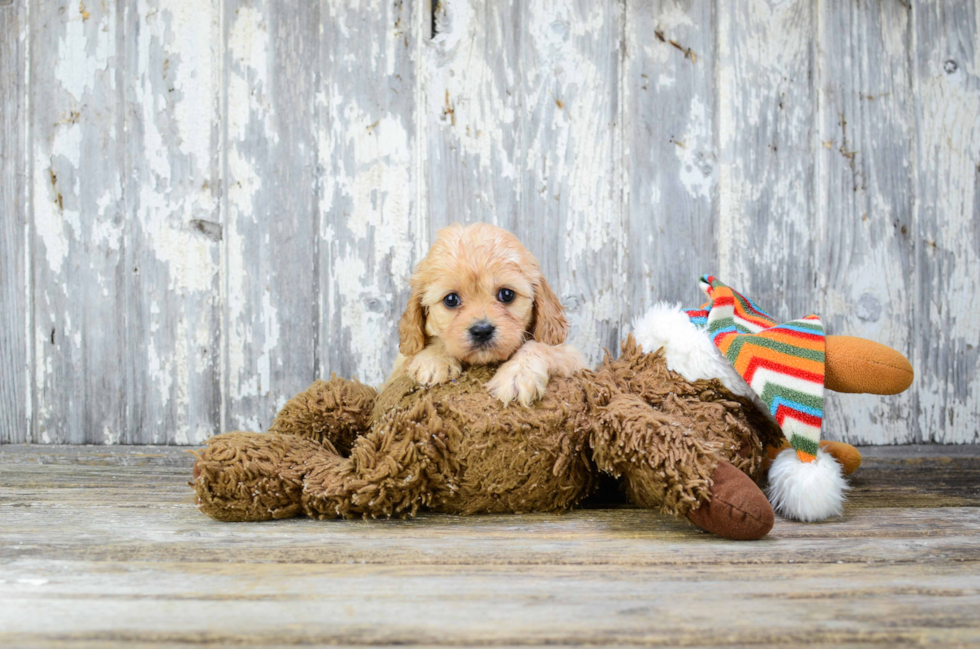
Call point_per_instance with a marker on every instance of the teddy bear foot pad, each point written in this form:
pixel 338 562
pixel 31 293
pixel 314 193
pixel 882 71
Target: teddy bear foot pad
pixel 737 510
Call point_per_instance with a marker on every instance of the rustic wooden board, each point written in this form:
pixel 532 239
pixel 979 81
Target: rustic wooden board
pixel 569 208
pixel 473 114
pixel 84 386
pixel 370 231
pixel 946 83
pixel 765 121
pixel 672 155
pixel 864 247
pixel 15 328
pixel 270 208
pixel 173 228
pixel 107 547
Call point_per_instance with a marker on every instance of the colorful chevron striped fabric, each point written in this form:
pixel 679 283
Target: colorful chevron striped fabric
pixel 783 363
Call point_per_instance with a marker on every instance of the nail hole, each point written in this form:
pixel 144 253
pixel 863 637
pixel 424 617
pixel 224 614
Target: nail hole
pixel 950 66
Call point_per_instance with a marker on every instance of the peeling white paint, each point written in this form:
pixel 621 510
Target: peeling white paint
pixel 697 172
pixel 48 223
pixel 535 129
pixel 188 256
pixel 77 74
pixel 471 103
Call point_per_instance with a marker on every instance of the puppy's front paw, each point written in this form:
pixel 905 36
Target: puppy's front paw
pixel 431 369
pixel 523 380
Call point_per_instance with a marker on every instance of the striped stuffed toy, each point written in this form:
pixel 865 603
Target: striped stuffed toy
pixel 780 367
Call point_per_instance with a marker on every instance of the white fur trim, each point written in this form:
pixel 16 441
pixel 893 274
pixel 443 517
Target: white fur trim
pixel 688 350
pixel 806 491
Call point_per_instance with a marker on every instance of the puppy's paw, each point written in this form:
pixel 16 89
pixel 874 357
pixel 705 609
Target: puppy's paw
pixel 433 368
pixel 520 379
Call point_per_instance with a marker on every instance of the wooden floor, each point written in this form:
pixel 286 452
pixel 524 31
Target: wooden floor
pixel 104 547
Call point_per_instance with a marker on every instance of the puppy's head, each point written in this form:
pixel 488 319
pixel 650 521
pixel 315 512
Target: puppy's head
pixel 482 294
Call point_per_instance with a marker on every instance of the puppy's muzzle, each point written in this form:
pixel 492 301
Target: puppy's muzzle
pixel 481 333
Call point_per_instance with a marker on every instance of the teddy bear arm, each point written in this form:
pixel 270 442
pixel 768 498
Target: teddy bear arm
pixel 242 476
pixel 338 411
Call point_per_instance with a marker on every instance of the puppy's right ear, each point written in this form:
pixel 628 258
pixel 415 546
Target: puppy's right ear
pixel 411 327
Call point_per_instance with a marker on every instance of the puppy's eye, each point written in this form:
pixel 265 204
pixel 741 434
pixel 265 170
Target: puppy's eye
pixel 451 301
pixel 506 295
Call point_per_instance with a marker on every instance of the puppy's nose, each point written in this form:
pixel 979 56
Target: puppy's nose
pixel 482 331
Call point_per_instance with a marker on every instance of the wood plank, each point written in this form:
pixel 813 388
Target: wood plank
pixel 863 251
pixel 107 548
pixel 472 103
pixel 270 209
pixel 570 207
pixel 765 127
pixel 174 230
pixel 449 605
pixel 81 267
pixel 946 229
pixel 672 160
pixel 371 230
pixel 15 366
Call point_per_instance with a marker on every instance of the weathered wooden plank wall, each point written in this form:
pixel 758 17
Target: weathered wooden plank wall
pixel 15 330
pixel 207 205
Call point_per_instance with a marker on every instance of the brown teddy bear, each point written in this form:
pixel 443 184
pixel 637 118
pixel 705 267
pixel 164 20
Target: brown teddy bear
pixel 689 448
pixel 488 410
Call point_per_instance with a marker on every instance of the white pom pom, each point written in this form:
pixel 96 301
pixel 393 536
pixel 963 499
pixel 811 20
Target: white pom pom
pixel 806 491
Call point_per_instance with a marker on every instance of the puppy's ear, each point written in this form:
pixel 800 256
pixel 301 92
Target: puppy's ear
pixel 411 327
pixel 549 325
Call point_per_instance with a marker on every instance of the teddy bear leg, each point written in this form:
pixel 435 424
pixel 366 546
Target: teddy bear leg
pixel 858 365
pixel 663 465
pixel 254 476
pixel 737 509
pixel 337 411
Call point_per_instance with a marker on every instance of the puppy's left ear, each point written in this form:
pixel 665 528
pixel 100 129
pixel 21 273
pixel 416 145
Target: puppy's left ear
pixel 549 325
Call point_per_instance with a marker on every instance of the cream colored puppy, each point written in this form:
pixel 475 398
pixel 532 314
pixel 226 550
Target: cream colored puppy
pixel 478 297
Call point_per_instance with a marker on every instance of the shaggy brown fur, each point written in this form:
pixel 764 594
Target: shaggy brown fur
pixel 342 450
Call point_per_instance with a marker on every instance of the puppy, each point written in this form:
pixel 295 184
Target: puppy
pixel 478 297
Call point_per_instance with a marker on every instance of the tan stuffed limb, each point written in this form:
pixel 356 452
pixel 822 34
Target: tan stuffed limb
pixel 858 365
pixel 666 468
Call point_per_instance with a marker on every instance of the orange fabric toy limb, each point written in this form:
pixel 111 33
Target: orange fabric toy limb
pixel 858 366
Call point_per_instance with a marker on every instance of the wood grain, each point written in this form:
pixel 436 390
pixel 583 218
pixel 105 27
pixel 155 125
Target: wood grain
pixel 471 103
pixel 82 238
pixel 15 308
pixel 107 547
pixel 173 222
pixel 946 228
pixel 766 229
pixel 570 188
pixel 863 248
pixel 271 209
pixel 672 162
pixel 370 231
